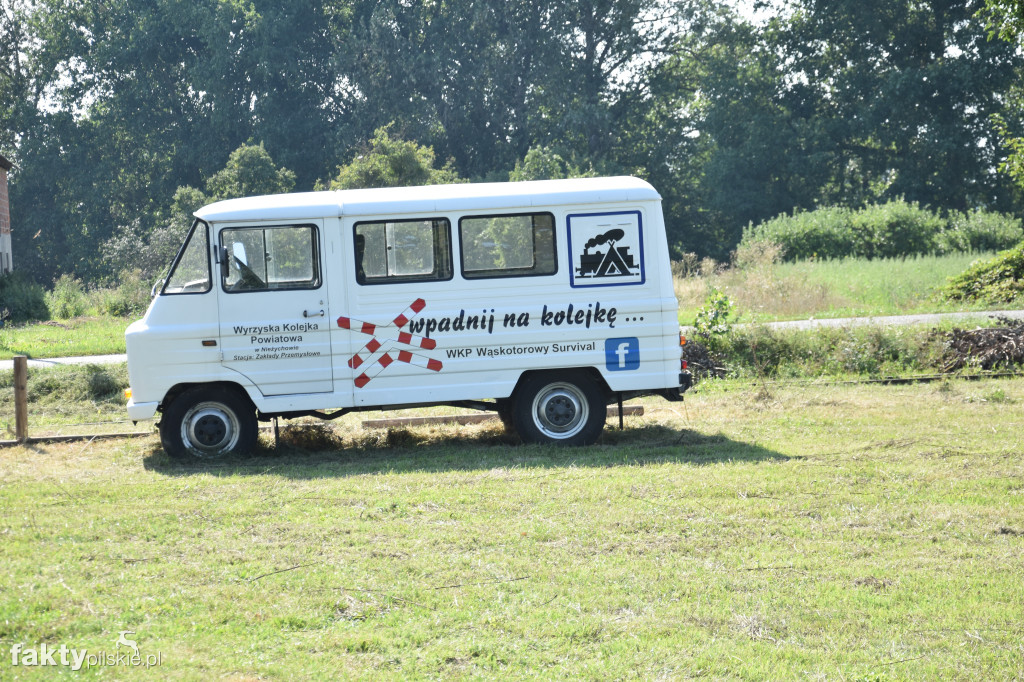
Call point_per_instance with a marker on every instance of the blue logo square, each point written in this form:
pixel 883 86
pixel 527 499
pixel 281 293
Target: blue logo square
pixel 622 354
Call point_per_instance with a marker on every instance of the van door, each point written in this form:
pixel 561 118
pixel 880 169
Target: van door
pixel 273 307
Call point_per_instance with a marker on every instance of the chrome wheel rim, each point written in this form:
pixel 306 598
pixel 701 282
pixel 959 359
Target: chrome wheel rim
pixel 560 410
pixel 210 429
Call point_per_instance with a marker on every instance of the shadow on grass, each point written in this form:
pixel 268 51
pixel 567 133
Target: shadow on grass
pixel 401 450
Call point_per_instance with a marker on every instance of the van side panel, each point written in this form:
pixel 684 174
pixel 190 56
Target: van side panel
pixel 483 334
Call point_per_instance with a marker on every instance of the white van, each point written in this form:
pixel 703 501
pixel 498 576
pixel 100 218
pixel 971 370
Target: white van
pixel 543 301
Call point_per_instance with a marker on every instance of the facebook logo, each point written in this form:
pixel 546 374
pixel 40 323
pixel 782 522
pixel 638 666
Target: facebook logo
pixel 622 354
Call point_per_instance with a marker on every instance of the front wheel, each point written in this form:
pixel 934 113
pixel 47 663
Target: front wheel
pixel 206 423
pixel 567 409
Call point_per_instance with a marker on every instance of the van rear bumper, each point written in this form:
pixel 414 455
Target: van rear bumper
pixel 676 392
pixel 138 411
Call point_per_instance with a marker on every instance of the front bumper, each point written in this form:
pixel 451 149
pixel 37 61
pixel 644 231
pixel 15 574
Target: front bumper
pixel 140 411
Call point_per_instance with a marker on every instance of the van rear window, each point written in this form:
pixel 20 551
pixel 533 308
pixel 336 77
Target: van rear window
pixel 508 245
pixel 403 251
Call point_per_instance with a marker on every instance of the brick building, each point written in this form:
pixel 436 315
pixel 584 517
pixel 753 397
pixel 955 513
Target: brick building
pixel 5 218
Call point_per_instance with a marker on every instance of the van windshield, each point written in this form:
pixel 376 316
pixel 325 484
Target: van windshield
pixel 190 273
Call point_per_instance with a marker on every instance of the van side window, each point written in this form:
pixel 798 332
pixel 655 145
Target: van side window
pixel 508 245
pixel 190 273
pixel 403 251
pixel 269 258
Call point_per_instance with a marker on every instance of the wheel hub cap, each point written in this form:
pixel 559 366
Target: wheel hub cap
pixel 560 411
pixel 209 430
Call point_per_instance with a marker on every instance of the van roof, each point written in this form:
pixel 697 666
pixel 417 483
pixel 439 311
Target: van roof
pixel 431 199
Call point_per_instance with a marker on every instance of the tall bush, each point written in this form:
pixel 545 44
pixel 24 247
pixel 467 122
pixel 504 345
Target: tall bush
pixel 824 233
pixel 981 231
pixel 67 299
pixel 891 230
pixel 999 279
pixel 21 299
pixel 129 297
pixel 894 229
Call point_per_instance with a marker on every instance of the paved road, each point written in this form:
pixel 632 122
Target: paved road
pixel 934 318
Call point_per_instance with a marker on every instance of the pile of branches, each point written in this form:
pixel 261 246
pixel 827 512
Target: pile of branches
pixel 987 348
pixel 700 361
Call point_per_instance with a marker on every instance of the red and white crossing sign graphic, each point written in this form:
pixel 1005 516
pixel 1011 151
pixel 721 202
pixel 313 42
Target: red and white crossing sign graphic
pixel 380 351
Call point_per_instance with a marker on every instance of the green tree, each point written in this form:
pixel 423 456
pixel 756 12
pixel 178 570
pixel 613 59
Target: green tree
pixel 457 76
pixel 850 102
pixel 543 163
pixel 483 82
pixel 911 98
pixel 393 162
pixel 1005 19
pixel 249 171
pixel 124 102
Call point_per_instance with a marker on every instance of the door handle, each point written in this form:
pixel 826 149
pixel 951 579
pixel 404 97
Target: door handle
pixel 306 313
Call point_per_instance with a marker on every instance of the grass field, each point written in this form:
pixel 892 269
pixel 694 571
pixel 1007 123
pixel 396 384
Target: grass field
pixel 853 287
pixel 753 532
pixel 64 338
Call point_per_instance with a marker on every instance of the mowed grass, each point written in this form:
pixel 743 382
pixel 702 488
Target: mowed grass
pixel 64 338
pixel 752 532
pixel 76 399
pixel 850 287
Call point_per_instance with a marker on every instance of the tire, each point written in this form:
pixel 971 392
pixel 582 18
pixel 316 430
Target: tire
pixel 563 408
pixel 207 423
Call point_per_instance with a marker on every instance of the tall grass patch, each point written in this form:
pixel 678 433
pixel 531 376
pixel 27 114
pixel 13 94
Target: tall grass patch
pixel 764 288
pixel 67 298
pixel 66 397
pixel 70 297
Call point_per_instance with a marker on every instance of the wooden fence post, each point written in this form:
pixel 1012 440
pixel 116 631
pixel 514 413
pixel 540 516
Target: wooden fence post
pixel 20 398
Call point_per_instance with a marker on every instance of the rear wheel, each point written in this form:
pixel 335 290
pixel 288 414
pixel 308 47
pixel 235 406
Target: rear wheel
pixel 566 408
pixel 206 423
